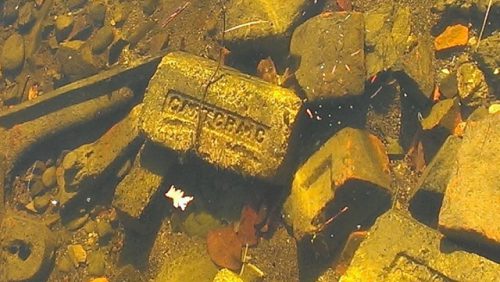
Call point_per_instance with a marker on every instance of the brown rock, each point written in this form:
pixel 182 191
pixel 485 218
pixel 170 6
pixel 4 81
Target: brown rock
pixel 452 36
pixel 471 204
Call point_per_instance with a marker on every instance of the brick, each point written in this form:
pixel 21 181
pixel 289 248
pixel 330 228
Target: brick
pixel 349 170
pixel 399 248
pixel 240 123
pixel 471 204
pixel 134 193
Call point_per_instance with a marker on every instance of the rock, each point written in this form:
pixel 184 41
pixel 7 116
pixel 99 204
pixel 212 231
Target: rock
pixel 135 192
pixel 12 57
pixel 448 84
pixel 453 36
pixel 414 67
pixel 42 202
pixel 472 87
pixel 324 185
pixel 192 262
pixel 26 248
pixel 488 56
pixel 494 108
pixel 26 16
pixel 226 275
pixel 77 254
pixel 75 4
pixel 427 199
pixel 97 13
pixel 36 187
pixel 470 206
pixel 64 26
pixel 76 61
pixel 445 114
pixel 118 15
pixel 199 224
pixel 77 223
pixel 96 263
pixel 102 39
pixel 149 6
pixel 64 263
pixel 398 248
pixel 49 177
pixel 233 114
pixel 387 36
pixel 90 164
pixel 104 230
pixel 331 51
pixel 272 30
pixel 10 12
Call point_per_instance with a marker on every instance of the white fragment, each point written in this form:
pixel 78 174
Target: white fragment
pixel 178 198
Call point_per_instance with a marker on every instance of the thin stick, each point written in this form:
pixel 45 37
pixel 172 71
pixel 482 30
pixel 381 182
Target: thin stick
pixel 211 79
pixel 484 22
pixel 245 25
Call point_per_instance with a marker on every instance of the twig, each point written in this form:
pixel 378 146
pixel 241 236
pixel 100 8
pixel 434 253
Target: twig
pixel 175 14
pixel 484 22
pixel 245 25
pixel 212 78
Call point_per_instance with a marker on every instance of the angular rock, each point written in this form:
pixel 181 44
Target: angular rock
pixel 349 170
pixel 229 119
pixel 414 68
pixel 387 34
pixel 88 165
pixel 262 21
pixel 76 60
pixel 331 51
pixel 471 203
pixel 453 36
pixel 472 87
pixel 488 55
pixel 399 248
pixel 140 185
pixel 445 114
pixel 26 249
pixel 427 200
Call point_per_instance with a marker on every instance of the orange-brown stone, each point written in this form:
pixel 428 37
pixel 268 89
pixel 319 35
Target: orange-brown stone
pixel 452 36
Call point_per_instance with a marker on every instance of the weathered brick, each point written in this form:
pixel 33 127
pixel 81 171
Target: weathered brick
pixel 399 248
pixel 229 119
pixel 349 170
pixel 471 204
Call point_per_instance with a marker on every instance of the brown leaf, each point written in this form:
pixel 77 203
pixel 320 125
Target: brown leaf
pixel 344 5
pixel 247 232
pixel 224 247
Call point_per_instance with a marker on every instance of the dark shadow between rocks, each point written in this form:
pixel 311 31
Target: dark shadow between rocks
pixel 364 203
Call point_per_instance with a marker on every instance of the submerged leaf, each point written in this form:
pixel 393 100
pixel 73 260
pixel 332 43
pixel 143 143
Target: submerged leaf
pixel 224 247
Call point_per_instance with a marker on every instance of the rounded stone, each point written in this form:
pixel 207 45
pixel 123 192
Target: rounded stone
pixel 49 177
pixel 97 13
pixel 12 57
pixel 64 25
pixel 104 229
pixel 103 37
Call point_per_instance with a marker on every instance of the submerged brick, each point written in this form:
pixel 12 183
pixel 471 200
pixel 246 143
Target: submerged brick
pixel 227 118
